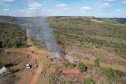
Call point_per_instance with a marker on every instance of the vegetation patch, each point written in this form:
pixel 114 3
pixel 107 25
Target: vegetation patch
pixel 87 81
pixel 68 65
pixel 81 67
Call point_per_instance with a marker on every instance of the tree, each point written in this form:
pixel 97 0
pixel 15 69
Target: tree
pixel 97 62
pixel 87 81
pixel 81 66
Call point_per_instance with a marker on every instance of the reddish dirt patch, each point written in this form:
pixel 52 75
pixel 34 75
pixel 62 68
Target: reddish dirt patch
pixel 36 74
pixel 33 55
pixel 25 75
pixel 38 70
pixel 73 71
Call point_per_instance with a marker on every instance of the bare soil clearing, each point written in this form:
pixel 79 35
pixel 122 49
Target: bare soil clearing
pixel 73 71
pixel 18 60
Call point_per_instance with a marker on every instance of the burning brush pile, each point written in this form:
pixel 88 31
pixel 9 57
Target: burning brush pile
pixel 67 58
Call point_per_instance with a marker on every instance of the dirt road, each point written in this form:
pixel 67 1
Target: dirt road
pixel 38 69
pixel 37 72
pixel 35 56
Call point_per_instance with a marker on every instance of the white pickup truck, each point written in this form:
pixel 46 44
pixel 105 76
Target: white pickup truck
pixel 28 66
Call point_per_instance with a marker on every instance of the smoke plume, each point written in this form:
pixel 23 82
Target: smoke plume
pixel 39 29
pixel 49 38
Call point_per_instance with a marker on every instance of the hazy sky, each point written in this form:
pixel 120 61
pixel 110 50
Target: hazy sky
pixel 97 8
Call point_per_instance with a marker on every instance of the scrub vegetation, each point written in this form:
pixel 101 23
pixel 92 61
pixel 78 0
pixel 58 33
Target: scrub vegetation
pixel 98 43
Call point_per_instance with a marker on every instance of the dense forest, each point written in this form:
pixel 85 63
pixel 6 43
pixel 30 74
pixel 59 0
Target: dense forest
pixel 12 36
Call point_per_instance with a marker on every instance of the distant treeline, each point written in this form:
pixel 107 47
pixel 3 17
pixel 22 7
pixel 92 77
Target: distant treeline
pixel 8 19
pixel 12 36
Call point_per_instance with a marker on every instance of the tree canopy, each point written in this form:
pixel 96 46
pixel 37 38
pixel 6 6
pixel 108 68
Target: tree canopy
pixel 12 36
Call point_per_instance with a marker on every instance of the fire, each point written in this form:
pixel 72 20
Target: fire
pixel 62 59
pixel 70 61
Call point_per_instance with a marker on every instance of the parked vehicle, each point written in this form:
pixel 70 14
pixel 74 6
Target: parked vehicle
pixel 28 66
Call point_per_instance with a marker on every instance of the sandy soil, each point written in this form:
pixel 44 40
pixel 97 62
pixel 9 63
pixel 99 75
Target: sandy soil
pixel 74 71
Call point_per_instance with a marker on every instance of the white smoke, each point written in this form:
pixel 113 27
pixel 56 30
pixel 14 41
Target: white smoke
pixel 39 29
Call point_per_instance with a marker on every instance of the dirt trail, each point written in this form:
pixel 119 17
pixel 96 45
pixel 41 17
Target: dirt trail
pixel 35 56
pixel 38 70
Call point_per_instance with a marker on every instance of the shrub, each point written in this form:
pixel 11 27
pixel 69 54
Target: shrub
pixel 81 67
pixel 87 81
pixel 97 62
